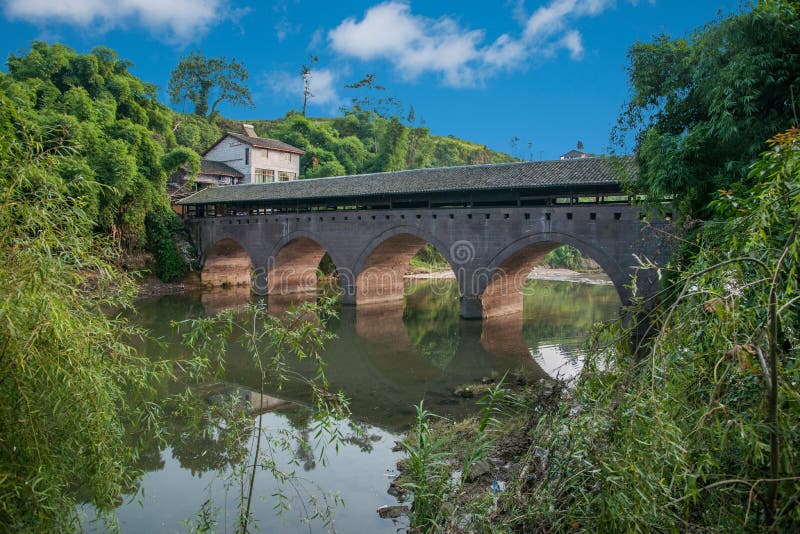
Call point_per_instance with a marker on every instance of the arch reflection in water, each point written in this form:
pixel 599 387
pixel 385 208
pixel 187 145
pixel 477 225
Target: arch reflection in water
pixel 219 299
pixel 558 317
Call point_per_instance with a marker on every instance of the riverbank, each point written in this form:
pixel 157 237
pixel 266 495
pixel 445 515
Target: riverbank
pixel 486 465
pixel 151 286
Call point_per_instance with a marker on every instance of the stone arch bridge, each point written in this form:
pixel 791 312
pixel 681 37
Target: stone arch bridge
pixel 492 223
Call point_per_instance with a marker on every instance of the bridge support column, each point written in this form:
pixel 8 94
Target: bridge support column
pixel 471 307
pixel 347 285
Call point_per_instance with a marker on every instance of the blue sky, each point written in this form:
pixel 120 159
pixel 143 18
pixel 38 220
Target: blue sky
pixel 549 72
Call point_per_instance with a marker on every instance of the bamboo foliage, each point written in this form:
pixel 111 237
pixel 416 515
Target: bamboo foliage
pixel 68 380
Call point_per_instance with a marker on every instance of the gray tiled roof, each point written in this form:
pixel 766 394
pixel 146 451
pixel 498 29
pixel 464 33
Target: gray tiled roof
pixel 263 142
pixel 584 174
pixel 208 166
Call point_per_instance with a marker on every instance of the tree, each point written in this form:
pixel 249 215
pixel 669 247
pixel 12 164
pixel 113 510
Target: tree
pixel 305 73
pixel 579 146
pixel 392 152
pixel 198 78
pixel 118 143
pixel 386 107
pixel 411 118
pixel 703 105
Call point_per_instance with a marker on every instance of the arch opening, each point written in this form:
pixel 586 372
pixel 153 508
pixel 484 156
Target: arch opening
pixel 298 267
pixel 227 264
pixel 382 277
pixel 504 292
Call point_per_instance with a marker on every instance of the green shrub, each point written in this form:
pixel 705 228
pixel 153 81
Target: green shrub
pixel 162 226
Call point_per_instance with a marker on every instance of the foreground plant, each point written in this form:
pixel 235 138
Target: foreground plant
pixel 438 495
pixel 69 382
pixel 272 342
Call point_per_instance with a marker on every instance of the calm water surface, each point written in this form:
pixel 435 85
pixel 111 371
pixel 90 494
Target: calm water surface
pixel 385 360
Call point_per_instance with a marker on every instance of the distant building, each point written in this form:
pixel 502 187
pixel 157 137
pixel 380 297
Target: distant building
pixel 576 154
pixel 240 158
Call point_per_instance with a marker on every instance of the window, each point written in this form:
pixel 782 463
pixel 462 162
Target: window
pixel 284 176
pixel 247 156
pixel 263 176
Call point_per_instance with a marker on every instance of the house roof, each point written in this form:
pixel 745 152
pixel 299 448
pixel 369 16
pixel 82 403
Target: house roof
pixel 219 168
pixel 585 174
pixel 258 142
pixel 575 154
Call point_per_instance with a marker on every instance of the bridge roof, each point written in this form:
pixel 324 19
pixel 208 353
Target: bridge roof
pixel 585 175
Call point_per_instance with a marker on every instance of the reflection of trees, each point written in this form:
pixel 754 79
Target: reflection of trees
pixel 431 317
pixel 558 310
pixel 208 434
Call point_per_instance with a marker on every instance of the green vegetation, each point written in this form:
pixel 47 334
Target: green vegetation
pixel 694 426
pixel 429 259
pixel 69 383
pixel 441 501
pixel 703 106
pixel 117 145
pixel 162 227
pixel 364 141
pixel 568 257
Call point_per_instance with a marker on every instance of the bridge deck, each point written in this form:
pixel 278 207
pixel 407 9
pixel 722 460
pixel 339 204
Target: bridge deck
pixel 498 184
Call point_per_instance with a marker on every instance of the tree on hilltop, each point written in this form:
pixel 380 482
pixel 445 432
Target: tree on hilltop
pixel 198 78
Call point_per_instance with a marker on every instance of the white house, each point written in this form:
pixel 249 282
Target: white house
pixel 576 154
pixel 258 159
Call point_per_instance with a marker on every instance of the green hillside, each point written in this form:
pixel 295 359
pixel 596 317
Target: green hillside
pixel 365 142
pixel 355 143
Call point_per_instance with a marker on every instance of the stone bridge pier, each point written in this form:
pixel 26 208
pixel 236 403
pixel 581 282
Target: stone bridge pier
pixel 490 250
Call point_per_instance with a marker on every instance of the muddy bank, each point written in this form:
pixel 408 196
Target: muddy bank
pixel 151 286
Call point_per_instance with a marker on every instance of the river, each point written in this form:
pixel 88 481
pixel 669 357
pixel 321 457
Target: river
pixel 385 361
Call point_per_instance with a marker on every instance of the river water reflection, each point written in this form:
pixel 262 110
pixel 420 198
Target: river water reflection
pixel 385 360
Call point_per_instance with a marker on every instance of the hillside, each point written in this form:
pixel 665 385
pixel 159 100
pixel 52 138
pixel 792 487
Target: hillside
pixel 354 143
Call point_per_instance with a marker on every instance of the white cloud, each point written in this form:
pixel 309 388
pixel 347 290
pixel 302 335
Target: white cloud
pixel 417 45
pixel 323 86
pixel 387 28
pixel 573 42
pixel 178 19
pixel 283 27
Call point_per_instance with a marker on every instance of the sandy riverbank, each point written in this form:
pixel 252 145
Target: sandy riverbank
pixel 538 273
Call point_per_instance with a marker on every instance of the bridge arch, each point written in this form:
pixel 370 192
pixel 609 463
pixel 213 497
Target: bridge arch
pixel 293 264
pixel 227 263
pixel 381 267
pixel 500 285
